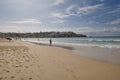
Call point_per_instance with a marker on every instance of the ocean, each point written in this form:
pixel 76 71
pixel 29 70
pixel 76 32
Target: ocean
pixel 101 48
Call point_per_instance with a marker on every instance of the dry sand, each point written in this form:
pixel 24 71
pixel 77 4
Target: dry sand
pixel 26 61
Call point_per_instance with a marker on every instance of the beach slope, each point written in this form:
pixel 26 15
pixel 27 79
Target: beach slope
pixel 26 61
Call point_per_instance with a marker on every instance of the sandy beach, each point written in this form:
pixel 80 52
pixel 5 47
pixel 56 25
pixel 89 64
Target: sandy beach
pixel 27 61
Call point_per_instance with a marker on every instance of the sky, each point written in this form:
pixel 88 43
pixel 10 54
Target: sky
pixel 90 17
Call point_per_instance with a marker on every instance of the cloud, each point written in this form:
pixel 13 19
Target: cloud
pixel 86 30
pixel 19 28
pixel 70 8
pixel 114 11
pixel 59 21
pixel 115 22
pixel 59 15
pixel 57 2
pixel 8 28
pixel 26 21
pixel 101 0
pixel 96 30
pixel 89 9
pixel 74 10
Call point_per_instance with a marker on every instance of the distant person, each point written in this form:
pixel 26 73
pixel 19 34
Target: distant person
pixel 50 42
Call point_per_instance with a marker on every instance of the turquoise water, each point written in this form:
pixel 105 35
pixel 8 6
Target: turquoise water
pixel 108 42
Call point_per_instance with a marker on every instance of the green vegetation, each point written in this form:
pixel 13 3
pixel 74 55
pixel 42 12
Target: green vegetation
pixel 42 34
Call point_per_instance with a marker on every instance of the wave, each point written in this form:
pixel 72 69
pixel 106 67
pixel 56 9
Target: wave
pixel 95 40
pixel 90 45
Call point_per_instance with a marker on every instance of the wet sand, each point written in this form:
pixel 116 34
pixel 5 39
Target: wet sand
pixel 110 55
pixel 26 61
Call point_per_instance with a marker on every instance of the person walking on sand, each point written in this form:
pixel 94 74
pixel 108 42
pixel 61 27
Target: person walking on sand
pixel 50 42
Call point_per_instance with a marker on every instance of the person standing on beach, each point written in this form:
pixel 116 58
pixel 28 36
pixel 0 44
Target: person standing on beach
pixel 50 42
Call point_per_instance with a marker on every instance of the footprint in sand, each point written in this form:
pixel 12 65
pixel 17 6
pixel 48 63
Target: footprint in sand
pixel 23 56
pixel 16 66
pixel 12 77
pixel 72 71
pixel 22 79
pixel 18 71
pixel 32 71
pixel 39 66
pixel 68 70
pixel 1 78
pixel 30 78
pixel 26 67
pixel 5 77
pixel 74 77
pixel 31 65
pixel 7 62
pixel 27 60
pixel 7 71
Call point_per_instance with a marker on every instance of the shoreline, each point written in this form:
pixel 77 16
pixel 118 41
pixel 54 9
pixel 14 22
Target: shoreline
pixel 103 54
pixel 62 46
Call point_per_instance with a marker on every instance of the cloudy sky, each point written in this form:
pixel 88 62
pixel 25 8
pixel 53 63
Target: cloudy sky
pixel 91 17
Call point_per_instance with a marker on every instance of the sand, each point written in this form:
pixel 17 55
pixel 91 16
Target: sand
pixel 26 61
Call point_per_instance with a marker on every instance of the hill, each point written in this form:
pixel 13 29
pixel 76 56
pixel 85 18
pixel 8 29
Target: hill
pixel 42 34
